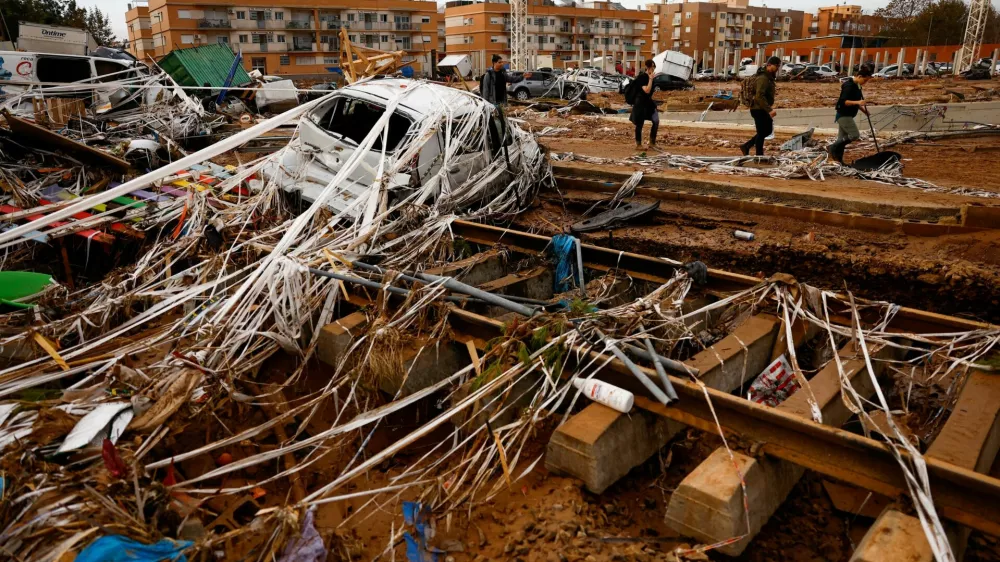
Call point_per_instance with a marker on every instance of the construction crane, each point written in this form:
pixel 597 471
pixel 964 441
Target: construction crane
pixel 518 35
pixel 975 28
pixel 362 62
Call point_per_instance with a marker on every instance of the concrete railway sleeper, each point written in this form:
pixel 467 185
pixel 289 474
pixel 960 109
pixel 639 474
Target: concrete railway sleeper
pixel 599 445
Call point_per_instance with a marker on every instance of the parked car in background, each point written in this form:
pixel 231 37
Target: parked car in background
pixel 747 70
pixel 535 84
pixel 707 74
pixel 790 69
pixel 826 71
pixel 892 69
pixel 595 80
pixel 666 82
pixel 319 90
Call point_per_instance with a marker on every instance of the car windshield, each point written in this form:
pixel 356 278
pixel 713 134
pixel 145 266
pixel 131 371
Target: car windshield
pixel 353 119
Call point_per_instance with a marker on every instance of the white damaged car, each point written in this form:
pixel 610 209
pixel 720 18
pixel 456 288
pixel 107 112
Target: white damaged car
pixel 438 144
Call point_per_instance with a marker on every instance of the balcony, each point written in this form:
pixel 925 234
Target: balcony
pixel 331 46
pixel 302 46
pixel 407 26
pixel 374 26
pixel 300 24
pixel 583 29
pixel 676 21
pixel 215 23
pixel 337 24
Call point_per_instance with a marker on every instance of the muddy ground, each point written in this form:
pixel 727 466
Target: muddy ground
pixel 957 162
pixel 791 94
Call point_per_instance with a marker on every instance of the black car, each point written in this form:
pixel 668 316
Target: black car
pixel 661 83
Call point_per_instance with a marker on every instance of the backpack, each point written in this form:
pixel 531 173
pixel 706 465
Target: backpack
pixel 748 90
pixel 630 92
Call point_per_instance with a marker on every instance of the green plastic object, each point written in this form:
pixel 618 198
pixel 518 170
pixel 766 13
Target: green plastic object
pixel 19 285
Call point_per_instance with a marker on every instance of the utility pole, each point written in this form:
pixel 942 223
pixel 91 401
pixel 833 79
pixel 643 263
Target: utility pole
pixel 975 28
pixel 518 34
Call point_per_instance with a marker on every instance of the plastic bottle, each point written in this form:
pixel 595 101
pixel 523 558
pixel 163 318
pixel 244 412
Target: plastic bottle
pixel 607 394
pixel 743 235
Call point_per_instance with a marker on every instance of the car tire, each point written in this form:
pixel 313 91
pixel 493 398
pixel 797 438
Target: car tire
pixel 655 89
pixel 521 94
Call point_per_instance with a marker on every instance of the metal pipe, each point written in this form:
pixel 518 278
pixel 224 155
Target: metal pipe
pixel 460 287
pixel 579 267
pixel 376 285
pixel 412 279
pixel 675 366
pixel 671 393
pixel 649 384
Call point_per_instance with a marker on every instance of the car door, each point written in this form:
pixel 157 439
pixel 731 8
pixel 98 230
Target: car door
pixel 543 81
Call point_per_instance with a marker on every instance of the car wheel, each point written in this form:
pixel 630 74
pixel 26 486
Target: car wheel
pixel 521 94
pixel 655 89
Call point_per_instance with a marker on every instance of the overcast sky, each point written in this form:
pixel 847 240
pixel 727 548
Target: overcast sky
pixel 116 8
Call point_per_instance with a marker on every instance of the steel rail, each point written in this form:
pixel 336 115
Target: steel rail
pixel 657 270
pixel 960 495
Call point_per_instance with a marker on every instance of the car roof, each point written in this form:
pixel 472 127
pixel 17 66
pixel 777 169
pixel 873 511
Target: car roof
pixel 423 101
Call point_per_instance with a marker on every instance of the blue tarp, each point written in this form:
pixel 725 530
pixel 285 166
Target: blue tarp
pixel 116 548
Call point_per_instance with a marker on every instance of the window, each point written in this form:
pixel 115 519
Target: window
pixel 687 15
pixel 279 15
pixel 749 18
pixel 746 44
pixel 711 43
pixel 259 63
pixel 62 69
pixel 759 19
pixel 222 40
pixel 552 21
pixel 496 39
pixel 241 15
pixel 281 38
pixel 253 15
pixel 687 43
pixel 350 17
pixel 351 119
pixel 687 29
pixel 158 16
pixel 109 71
pixel 425 19
pixel 284 60
pixel 768 20
pixel 187 39
pixel 788 20
pixel 243 39
pixel 711 30
pixel 713 15
pixel 184 14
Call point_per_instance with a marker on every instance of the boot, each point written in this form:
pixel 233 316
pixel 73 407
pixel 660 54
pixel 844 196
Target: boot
pixel 836 151
pixel 745 147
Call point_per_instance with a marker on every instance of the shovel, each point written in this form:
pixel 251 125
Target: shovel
pixel 877 160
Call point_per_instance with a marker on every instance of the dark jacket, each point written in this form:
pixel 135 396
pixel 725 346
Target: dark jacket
pixel 643 108
pixel 494 87
pixel 849 91
pixel 763 97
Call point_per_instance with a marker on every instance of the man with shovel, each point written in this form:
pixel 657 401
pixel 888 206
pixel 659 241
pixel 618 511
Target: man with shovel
pixel 850 101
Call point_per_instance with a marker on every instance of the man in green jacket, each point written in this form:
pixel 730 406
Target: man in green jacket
pixel 761 108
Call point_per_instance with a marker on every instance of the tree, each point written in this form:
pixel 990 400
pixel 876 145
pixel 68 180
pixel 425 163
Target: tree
pixel 898 15
pixel 55 12
pixel 99 26
pixel 941 23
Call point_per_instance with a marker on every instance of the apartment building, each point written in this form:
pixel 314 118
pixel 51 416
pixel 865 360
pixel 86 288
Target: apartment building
pixel 708 30
pixel 140 33
pixel 296 37
pixel 841 20
pixel 558 34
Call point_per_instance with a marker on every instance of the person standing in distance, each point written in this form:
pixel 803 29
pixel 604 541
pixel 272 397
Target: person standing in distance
pixel 850 101
pixel 761 109
pixel 644 108
pixel 494 86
